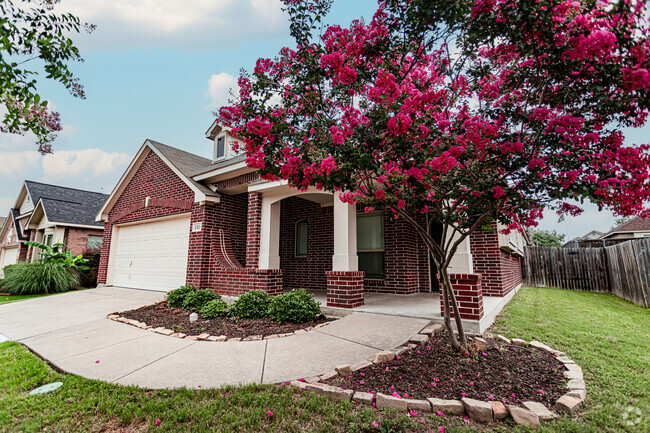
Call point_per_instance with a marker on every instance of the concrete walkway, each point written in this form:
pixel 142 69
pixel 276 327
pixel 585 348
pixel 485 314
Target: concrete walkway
pixel 72 332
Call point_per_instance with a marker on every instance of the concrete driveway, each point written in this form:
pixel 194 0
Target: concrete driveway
pixel 72 332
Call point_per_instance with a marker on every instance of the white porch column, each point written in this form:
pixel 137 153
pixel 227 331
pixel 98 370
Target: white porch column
pixel 345 236
pixel 270 234
pixel 462 262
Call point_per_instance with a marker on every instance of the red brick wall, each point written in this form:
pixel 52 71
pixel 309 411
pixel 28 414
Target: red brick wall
pixel 306 272
pixel 469 297
pixel 76 239
pixel 501 271
pixel 345 289
pixel 153 179
pixel 253 230
pixel 510 271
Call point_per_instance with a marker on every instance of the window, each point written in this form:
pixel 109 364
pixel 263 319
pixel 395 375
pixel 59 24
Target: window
pixel 302 233
pixel 48 240
pixel 221 147
pixel 370 244
pixel 95 241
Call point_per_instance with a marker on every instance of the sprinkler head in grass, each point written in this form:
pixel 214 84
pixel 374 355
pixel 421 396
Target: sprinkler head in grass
pixel 46 388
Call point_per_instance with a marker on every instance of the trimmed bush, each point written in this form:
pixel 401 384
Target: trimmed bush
pixel 176 297
pixel 251 305
pixel 296 306
pixel 88 277
pixel 198 299
pixel 215 308
pixel 38 278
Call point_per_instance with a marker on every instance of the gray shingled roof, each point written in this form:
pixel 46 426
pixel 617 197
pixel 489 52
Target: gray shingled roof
pixel 219 164
pixel 187 163
pixel 67 205
pixel 2 221
pixel 19 232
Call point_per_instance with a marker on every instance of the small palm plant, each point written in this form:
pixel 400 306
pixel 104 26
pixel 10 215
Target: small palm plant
pixel 58 253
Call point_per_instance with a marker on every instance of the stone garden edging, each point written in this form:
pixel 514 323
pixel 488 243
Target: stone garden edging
pixel 531 414
pixel 206 336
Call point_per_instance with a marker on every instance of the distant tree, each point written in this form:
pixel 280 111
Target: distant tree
pixel 30 31
pixel 619 222
pixel 547 238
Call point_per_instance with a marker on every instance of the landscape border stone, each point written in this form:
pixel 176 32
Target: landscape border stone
pixel 205 336
pixel 481 411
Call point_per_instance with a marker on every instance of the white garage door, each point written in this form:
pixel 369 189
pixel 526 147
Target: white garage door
pixel 9 257
pixel 152 255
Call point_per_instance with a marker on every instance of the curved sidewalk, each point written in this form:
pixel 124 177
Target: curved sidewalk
pixel 72 332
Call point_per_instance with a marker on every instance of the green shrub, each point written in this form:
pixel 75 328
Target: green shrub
pixel 38 278
pixel 297 306
pixel 197 299
pixel 215 308
pixel 251 305
pixel 176 297
pixel 88 277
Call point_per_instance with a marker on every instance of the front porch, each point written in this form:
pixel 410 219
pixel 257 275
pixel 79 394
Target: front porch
pixel 417 305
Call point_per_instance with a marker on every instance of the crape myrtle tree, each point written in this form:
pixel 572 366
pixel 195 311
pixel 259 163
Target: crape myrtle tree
pixel 472 112
pixel 30 34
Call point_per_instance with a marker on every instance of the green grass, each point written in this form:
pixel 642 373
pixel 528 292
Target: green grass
pixel 607 336
pixel 14 298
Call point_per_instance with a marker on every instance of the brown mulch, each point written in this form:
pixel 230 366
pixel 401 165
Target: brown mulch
pixel 506 373
pixel 178 320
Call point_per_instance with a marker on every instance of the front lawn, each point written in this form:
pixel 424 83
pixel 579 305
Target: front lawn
pixel 13 298
pixel 608 337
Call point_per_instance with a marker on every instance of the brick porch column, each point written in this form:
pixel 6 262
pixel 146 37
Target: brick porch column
pixel 469 296
pixel 345 288
pixel 344 281
pixel 253 228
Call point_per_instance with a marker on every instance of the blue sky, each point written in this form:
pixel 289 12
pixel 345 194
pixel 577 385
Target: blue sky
pixel 157 69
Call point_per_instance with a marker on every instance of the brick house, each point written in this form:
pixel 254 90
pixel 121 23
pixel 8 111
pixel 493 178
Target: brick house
pixel 50 214
pixel 177 218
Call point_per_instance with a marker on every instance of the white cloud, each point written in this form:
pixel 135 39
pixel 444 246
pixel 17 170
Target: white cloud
pixel 221 88
pixel 195 24
pixel 15 164
pixel 86 163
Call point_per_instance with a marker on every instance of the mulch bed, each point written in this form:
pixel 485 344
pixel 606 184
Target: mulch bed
pixel 178 320
pixel 506 373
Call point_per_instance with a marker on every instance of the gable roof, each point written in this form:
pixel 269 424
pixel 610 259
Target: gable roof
pixel 184 165
pixel 637 224
pixel 15 213
pixel 2 221
pixel 187 163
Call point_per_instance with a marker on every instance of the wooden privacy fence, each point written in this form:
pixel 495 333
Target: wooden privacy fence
pixel 622 269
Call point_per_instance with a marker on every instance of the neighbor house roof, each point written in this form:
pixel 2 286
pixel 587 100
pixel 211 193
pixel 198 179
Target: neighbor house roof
pixel 19 231
pixel 2 221
pixel 634 225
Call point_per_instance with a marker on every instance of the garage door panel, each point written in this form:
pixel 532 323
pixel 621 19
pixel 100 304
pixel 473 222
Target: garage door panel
pixel 152 255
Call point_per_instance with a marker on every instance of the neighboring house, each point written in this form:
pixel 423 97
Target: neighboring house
pixel 50 214
pixel 2 222
pixel 177 218
pixel 633 229
pixel 591 236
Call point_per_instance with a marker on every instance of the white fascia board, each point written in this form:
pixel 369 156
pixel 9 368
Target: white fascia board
pixel 221 171
pixel 28 225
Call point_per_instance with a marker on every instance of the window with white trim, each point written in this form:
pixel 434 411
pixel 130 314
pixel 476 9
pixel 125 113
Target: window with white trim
pixel 370 244
pixel 302 235
pixel 221 147
pixel 95 241
pixel 48 240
